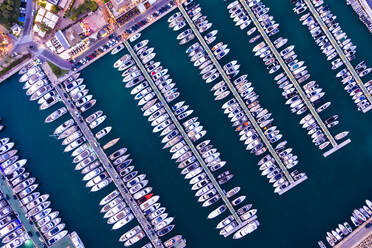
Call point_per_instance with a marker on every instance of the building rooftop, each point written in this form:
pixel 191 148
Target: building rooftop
pixel 55 2
pixel 64 4
pixel 74 34
pixel 62 39
pixel 47 17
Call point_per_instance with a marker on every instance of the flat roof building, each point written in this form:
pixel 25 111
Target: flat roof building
pixel 55 2
pixel 62 39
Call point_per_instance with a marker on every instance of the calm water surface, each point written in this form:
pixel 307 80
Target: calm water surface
pixel 299 218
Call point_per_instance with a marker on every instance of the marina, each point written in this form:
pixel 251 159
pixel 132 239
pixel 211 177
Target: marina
pixel 344 235
pixel 274 154
pixel 320 200
pixel 360 236
pixel 239 223
pixel 28 209
pixel 366 105
pixel 314 114
pixel 106 163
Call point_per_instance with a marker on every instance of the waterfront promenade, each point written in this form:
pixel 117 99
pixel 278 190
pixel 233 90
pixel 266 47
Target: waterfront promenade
pixel 154 8
pixel 106 163
pixel 361 237
pixel 335 146
pixel 14 70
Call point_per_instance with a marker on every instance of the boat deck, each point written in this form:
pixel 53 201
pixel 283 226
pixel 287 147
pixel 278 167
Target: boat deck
pixel 180 244
pixel 340 52
pixel 79 120
pixel 237 97
pixel 183 133
pixel 21 213
pixel 295 83
pixel 361 237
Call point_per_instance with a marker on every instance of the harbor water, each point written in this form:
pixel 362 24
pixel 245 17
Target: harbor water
pixel 299 218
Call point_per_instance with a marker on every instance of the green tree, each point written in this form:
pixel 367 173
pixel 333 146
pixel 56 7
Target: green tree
pixel 5 14
pixel 55 9
pixel 87 6
pixel 45 28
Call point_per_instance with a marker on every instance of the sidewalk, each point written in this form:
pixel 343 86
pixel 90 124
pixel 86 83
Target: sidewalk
pixel 15 69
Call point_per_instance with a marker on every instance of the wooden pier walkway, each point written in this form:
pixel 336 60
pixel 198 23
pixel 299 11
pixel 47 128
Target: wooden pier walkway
pixel 21 213
pixel 237 96
pixel 106 163
pixel 340 53
pixel 335 146
pixel 186 138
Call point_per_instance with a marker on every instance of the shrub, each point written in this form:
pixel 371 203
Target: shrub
pixel 56 70
pixel 87 6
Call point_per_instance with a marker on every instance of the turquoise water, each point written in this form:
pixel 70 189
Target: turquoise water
pixel 299 218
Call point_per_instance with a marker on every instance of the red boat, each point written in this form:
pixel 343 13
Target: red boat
pixel 144 198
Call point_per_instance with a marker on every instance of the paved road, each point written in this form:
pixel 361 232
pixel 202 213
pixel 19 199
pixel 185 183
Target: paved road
pixel 27 27
pixel 26 42
pixel 48 55
pixel 29 18
pixel 93 48
pixel 359 234
pixel 155 7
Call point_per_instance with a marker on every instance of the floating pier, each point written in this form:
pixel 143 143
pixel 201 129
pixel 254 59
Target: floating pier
pixel 30 228
pixel 238 98
pixel 289 74
pixel 340 52
pixel 106 163
pixel 188 141
pixel 68 242
pixel 21 213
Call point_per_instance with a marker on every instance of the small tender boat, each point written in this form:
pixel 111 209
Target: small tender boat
pixel 110 143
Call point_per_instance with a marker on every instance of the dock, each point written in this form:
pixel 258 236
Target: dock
pixel 295 83
pixel 361 237
pixel 67 242
pixel 21 213
pixel 31 228
pixel 340 53
pixel 187 139
pixel 106 163
pixel 237 96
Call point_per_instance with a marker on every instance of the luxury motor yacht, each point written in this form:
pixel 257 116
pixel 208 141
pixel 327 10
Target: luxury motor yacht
pixel 117 49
